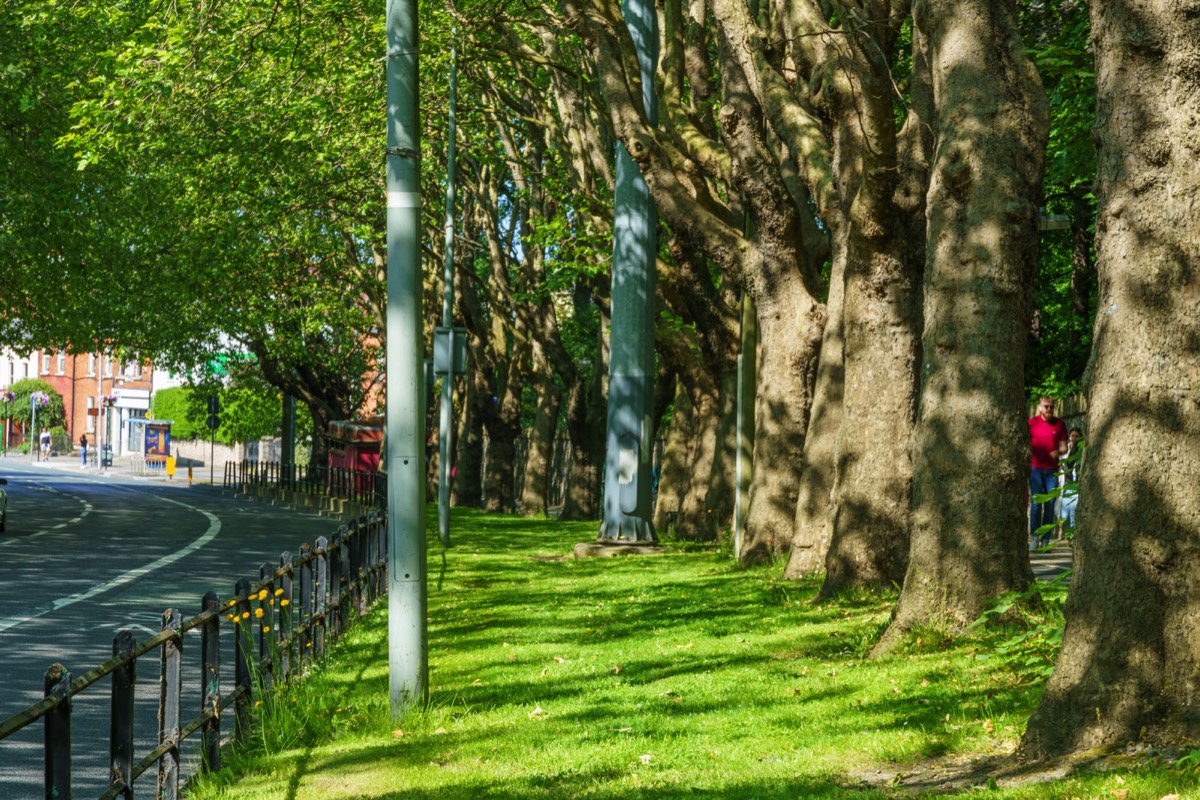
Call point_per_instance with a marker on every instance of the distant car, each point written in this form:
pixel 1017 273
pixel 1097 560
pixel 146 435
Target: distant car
pixel 3 505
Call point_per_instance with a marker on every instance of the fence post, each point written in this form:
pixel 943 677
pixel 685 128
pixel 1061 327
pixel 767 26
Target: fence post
pixel 304 609
pixel 58 733
pixel 242 627
pixel 320 589
pixel 335 581
pixel 355 572
pixel 120 731
pixel 345 576
pixel 284 639
pixel 210 685
pixel 168 707
pixel 266 572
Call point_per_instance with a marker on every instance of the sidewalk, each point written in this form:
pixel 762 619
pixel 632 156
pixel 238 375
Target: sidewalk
pixel 122 466
pixel 1055 561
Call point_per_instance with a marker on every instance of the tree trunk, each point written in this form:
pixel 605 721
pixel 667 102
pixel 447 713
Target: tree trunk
pixel 586 411
pixel 468 464
pixel 696 521
pixel 721 479
pixel 971 445
pixel 1129 668
pixel 535 490
pixel 814 506
pixel 672 479
pixel 880 318
pixel 791 325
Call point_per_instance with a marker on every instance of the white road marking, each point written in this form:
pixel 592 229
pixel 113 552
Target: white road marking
pixel 214 527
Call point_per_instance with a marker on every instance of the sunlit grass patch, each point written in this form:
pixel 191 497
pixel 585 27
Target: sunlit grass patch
pixel 674 676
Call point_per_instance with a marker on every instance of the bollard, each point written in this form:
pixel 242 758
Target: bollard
pixel 58 734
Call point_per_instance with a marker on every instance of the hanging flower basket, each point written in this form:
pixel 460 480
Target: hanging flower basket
pixel 110 400
pixel 7 396
pixel 39 398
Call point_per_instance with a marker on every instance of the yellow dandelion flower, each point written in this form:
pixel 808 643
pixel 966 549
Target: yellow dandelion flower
pixel 245 615
pixel 284 602
pixel 279 591
pixel 266 628
pixel 258 612
pixel 271 602
pixel 262 595
pixel 257 703
pixel 309 644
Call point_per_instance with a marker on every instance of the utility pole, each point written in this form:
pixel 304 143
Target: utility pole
pixel 408 653
pixel 446 413
pixel 629 450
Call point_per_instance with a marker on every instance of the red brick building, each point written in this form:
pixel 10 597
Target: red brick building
pixel 84 381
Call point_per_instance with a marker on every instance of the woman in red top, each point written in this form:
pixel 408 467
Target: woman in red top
pixel 1048 441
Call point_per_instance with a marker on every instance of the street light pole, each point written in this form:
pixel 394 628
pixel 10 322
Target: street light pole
pixel 408 655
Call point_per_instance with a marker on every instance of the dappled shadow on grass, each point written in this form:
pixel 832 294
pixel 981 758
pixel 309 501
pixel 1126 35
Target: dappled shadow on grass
pixel 599 781
pixel 602 660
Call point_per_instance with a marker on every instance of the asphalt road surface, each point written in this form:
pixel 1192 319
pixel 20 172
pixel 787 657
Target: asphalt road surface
pixel 86 555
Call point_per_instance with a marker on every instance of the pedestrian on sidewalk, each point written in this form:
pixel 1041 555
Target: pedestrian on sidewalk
pixel 83 447
pixel 44 440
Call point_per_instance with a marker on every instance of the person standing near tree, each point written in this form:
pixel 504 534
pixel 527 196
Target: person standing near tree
pixel 45 440
pixel 1048 441
pixel 1070 474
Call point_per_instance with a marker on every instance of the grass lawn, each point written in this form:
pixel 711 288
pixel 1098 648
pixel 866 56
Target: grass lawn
pixel 646 677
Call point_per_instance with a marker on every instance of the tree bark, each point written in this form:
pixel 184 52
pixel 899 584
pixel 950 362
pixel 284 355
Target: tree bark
pixel 586 411
pixel 535 489
pixel 971 445
pixel 672 480
pixel 468 465
pixel 814 506
pixel 1129 668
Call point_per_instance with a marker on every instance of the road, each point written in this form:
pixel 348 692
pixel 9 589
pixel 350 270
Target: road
pixel 85 555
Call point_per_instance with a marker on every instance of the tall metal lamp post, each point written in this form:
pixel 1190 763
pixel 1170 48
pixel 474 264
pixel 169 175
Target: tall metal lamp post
pixel 408 655
pixel 6 396
pixel 35 399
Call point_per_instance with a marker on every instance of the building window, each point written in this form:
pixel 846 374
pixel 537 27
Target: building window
pixel 91 366
pixel 108 364
pixel 45 363
pixel 91 421
pixel 61 366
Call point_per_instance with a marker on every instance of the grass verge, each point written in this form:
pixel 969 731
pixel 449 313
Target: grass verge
pixel 648 677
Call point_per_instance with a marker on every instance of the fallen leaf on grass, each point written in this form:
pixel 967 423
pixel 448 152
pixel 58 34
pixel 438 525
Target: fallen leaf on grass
pixel 647 758
pixel 989 726
pixel 397 733
pixel 1120 794
pixel 687 646
pixel 624 730
pixel 440 731
pixel 537 713
pixel 617 670
pixel 560 659
pixel 477 682
pixel 1169 797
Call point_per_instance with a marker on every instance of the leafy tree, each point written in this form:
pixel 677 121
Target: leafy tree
pixel 19 410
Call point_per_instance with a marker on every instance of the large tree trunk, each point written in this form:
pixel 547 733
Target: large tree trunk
pixel 970 445
pixel 791 323
pixel 1129 668
pixel 814 506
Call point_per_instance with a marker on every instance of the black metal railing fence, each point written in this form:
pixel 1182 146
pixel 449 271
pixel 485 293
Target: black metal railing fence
pixel 281 622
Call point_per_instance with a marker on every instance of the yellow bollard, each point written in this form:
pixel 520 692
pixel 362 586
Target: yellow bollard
pixel 170 466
